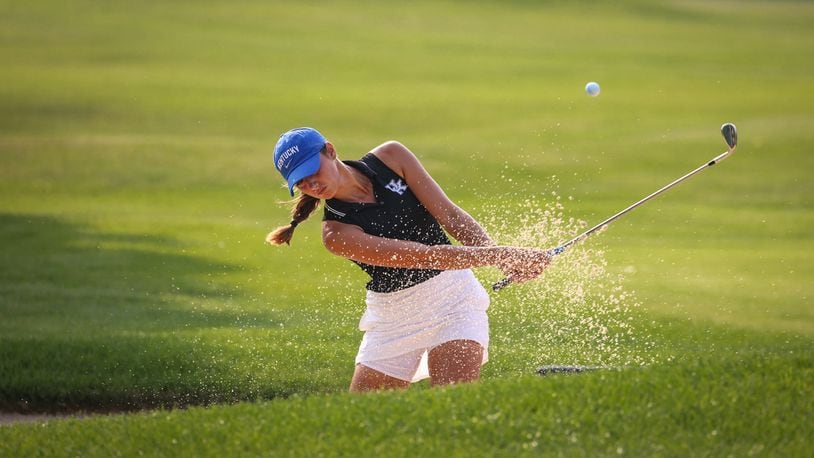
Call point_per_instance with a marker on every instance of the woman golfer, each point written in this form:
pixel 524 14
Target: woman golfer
pixel 426 312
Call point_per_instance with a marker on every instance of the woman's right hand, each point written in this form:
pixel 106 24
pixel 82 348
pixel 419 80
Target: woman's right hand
pixel 523 264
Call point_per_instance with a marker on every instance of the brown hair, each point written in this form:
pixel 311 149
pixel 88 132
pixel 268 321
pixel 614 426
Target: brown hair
pixel 302 208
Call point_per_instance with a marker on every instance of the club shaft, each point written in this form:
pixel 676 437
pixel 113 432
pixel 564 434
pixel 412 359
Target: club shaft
pixel 558 250
pixel 631 207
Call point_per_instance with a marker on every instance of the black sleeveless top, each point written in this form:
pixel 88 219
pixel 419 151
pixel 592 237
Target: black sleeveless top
pixel 396 214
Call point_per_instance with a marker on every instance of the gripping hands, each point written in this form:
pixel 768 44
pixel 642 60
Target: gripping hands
pixel 522 264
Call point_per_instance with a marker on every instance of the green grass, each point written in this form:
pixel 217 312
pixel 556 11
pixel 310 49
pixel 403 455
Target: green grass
pixel 136 188
pixel 744 404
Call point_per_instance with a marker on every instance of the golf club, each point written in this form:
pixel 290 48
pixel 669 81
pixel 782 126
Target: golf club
pixel 730 134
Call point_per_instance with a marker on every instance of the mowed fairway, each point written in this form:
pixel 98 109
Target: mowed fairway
pixel 137 186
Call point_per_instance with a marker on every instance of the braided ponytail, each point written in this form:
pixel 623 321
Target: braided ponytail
pixel 304 205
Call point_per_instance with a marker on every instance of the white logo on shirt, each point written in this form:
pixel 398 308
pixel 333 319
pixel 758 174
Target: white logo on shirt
pixel 396 186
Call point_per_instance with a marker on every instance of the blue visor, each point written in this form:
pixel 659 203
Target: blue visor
pixel 307 168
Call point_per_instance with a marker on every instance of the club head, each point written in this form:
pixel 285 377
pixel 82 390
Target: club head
pixel 730 133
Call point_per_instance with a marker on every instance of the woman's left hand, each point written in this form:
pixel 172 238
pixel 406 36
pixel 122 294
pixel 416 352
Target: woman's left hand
pixel 524 264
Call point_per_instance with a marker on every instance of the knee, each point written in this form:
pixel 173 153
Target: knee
pixel 457 361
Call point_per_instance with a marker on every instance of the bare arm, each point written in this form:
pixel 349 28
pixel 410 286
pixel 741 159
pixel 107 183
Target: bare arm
pixel 351 242
pixel 452 218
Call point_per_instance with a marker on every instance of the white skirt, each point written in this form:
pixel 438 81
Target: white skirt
pixel 450 306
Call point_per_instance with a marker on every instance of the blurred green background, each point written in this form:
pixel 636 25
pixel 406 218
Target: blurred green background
pixel 137 186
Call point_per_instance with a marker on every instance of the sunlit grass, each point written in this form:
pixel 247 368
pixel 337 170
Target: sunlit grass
pixel 136 188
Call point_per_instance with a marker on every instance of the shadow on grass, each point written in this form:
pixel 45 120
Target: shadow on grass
pixel 52 270
pixel 99 322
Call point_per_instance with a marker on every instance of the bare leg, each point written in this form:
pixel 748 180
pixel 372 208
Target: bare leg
pixel 367 379
pixel 456 361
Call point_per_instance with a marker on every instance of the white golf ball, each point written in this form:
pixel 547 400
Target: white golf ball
pixel 592 89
